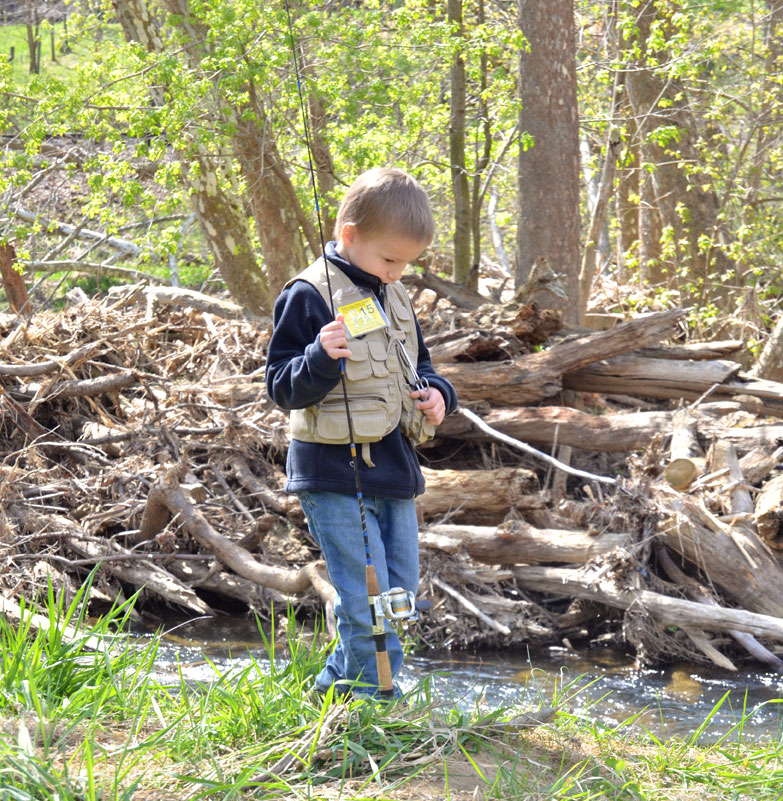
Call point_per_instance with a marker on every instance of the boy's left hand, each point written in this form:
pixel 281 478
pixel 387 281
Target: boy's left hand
pixel 431 403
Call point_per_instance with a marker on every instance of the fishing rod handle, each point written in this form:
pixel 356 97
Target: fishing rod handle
pixel 385 683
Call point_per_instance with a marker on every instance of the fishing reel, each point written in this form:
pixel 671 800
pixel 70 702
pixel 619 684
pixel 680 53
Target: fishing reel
pixel 397 605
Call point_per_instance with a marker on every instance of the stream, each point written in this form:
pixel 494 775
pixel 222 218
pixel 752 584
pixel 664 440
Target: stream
pixel 600 683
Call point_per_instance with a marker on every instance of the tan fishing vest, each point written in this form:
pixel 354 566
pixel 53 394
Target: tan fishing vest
pixel 378 393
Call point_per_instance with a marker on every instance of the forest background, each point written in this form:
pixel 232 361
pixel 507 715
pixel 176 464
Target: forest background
pixel 634 145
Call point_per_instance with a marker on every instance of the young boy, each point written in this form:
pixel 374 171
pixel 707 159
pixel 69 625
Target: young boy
pixel 384 222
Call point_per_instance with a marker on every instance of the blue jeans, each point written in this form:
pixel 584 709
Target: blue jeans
pixel 393 532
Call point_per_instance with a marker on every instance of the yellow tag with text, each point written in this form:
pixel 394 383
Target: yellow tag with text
pixel 363 316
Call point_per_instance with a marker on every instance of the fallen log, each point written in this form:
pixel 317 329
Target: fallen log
pixel 267 496
pixel 461 296
pixel 517 542
pixel 536 376
pixel 478 496
pixel 128 567
pixel 609 433
pixel 687 456
pixel 147 576
pixel 735 559
pixel 473 346
pixel 703 596
pixel 525 448
pixel 84 388
pixel 668 611
pixel 698 351
pixel 687 380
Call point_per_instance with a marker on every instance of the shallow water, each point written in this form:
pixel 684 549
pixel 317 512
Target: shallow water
pixel 601 684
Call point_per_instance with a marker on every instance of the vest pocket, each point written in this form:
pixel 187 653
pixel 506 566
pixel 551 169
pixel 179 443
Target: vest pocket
pixel 370 415
pixel 358 365
pixel 379 354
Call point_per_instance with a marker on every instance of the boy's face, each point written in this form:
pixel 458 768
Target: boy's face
pixel 383 255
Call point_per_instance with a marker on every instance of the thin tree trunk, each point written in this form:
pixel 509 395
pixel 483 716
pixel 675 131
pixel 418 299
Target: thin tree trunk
pixel 32 37
pixel 688 205
pixel 591 253
pixel 482 158
pixel 459 173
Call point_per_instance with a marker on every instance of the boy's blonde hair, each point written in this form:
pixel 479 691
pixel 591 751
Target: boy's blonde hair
pixel 387 201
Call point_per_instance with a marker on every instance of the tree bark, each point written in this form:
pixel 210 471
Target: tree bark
pixel 13 283
pixel 548 172
pixel 768 513
pixel 591 254
pixel 619 432
pixel 734 559
pixel 273 201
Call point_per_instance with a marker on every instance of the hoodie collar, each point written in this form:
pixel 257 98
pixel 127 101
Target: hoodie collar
pixel 356 274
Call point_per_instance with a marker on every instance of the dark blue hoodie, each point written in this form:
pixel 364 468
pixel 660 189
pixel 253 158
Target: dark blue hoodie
pixel 299 373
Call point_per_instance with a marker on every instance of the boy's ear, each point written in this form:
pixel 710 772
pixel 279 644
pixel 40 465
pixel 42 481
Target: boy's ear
pixel 348 234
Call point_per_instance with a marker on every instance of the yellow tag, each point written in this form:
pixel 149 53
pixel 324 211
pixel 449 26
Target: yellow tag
pixel 363 316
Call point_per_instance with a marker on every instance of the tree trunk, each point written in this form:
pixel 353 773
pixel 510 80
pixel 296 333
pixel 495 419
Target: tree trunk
pixel 33 43
pixel 668 611
pixel 217 204
pixel 617 433
pixel 687 203
pixel 459 172
pixel 517 542
pixel 627 194
pixel 13 283
pixel 548 172
pixel 273 201
pixel 482 157
pixel 592 252
pixel 664 378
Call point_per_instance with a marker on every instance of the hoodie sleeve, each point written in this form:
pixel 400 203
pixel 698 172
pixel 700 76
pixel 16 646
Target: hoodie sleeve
pixel 426 370
pixel 299 372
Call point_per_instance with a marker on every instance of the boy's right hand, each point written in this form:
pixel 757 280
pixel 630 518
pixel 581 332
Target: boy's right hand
pixel 334 340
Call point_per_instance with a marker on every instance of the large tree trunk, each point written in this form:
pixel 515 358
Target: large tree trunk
pixel 549 170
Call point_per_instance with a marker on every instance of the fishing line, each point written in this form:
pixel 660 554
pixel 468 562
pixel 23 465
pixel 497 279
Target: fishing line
pixel 377 615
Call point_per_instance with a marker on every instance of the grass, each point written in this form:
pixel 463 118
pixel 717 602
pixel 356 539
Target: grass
pixel 87 723
pixel 79 48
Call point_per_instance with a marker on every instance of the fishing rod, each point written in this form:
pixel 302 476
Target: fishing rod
pixel 397 604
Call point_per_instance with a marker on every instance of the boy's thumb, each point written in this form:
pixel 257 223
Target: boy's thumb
pixel 340 318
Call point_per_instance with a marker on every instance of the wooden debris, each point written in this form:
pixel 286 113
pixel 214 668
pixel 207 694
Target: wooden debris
pixel 138 437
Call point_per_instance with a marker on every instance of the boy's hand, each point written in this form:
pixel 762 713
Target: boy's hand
pixel 334 340
pixel 431 403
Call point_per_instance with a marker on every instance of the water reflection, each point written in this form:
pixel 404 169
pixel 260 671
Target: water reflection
pixel 602 684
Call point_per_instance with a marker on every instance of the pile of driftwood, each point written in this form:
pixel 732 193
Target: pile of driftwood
pixel 594 486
